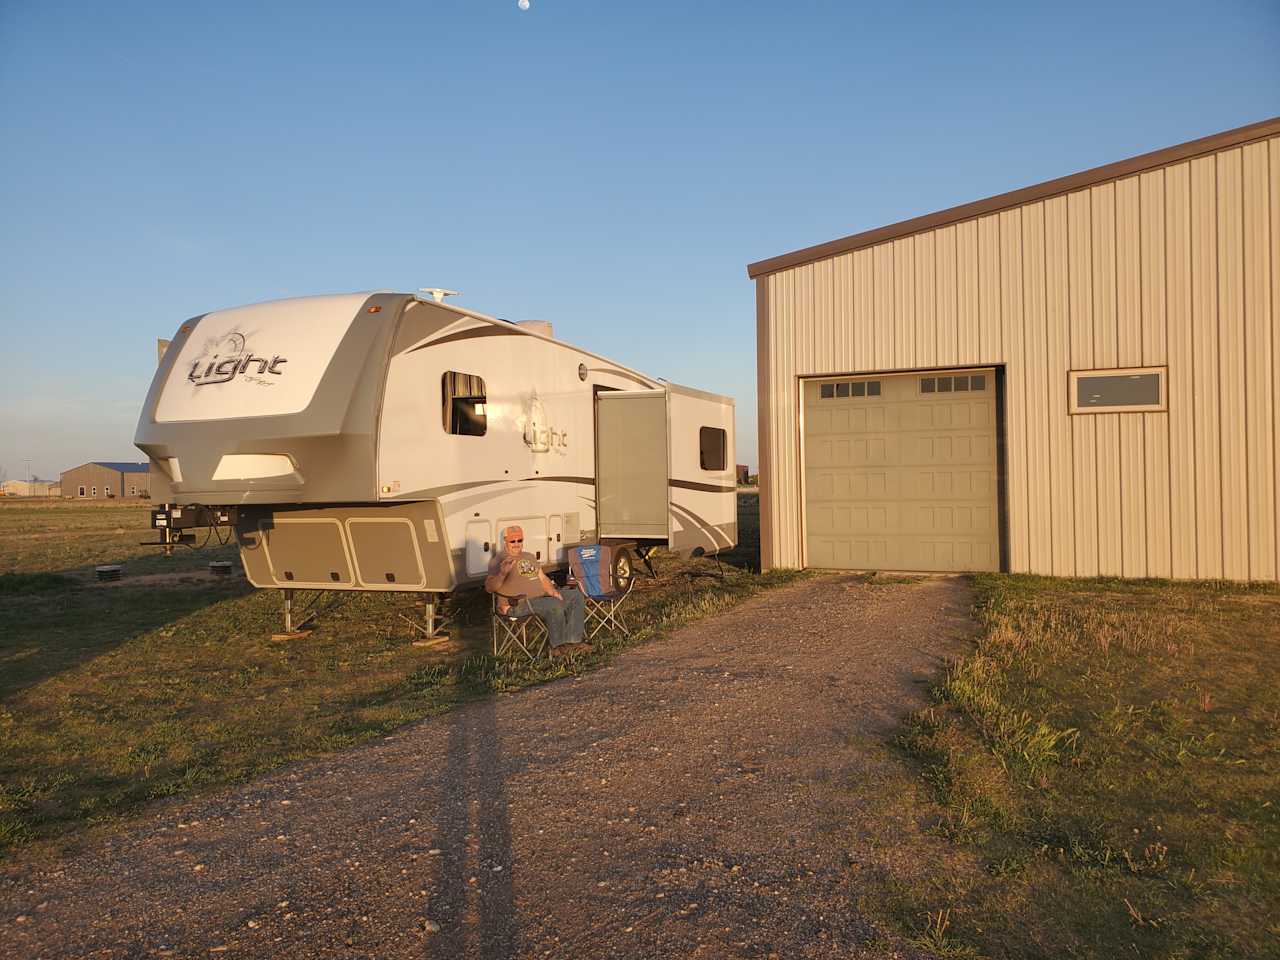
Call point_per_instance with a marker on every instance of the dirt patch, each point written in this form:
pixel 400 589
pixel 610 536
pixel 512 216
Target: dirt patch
pixel 698 797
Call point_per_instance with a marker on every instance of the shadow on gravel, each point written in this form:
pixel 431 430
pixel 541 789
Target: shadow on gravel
pixel 474 901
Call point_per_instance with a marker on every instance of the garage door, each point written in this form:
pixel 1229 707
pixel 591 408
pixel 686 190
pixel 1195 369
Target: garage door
pixel 900 472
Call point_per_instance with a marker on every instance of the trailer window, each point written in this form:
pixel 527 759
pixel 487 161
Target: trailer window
pixel 463 404
pixel 712 443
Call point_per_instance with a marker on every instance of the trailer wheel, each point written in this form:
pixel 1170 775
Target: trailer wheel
pixel 624 569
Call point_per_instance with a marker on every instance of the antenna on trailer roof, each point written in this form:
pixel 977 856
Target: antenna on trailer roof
pixel 438 293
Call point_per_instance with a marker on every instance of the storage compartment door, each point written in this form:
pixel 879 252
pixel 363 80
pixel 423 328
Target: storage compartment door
pixel 306 552
pixel 386 552
pixel 479 548
pixel 631 464
pixel 555 540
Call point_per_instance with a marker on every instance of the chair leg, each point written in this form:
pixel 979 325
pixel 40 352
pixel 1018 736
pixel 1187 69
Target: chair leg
pixel 606 615
pixel 528 636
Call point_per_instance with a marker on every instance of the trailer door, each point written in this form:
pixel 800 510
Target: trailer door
pixel 631 465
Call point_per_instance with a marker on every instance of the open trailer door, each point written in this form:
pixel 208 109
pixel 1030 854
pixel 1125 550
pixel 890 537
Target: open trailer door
pixel 631 465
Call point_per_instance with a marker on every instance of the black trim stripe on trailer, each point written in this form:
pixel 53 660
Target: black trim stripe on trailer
pixel 705 487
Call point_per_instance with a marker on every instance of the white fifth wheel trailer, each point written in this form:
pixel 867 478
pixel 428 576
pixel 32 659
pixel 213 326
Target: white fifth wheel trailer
pixel 381 441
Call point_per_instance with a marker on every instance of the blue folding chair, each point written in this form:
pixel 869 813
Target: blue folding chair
pixel 606 578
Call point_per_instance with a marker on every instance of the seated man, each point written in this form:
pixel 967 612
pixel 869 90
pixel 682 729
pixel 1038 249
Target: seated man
pixel 514 572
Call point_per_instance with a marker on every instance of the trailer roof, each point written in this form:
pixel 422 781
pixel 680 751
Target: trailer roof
pixel 517 328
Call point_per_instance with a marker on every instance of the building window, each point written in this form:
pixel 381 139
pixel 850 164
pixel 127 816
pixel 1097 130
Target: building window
pixel 849 388
pixel 463 402
pixel 956 383
pixel 107 492
pixel 133 489
pixel 82 490
pixel 1129 390
pixel 95 491
pixel 712 448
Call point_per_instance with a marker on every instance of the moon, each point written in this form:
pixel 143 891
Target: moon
pixel 522 4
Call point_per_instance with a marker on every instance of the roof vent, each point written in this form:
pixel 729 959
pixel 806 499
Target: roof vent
pixel 540 327
pixel 438 293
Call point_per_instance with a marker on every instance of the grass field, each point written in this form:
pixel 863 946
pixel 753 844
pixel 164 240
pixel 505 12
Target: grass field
pixel 1099 776
pixel 115 695
pixel 72 536
pixel 1103 773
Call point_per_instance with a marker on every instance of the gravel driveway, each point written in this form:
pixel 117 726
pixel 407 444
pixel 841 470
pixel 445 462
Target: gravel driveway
pixel 692 799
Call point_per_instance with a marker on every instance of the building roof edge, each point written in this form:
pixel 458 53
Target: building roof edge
pixel 967 211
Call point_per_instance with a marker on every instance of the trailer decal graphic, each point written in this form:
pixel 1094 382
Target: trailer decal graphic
pixel 226 357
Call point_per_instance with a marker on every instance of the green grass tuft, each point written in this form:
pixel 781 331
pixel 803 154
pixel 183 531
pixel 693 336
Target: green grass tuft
pixel 24 584
pixel 1106 767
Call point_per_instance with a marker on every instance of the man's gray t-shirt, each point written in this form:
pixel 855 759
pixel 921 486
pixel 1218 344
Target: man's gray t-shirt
pixel 521 579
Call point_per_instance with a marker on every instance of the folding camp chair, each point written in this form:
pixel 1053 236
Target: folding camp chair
pixel 594 568
pixel 515 630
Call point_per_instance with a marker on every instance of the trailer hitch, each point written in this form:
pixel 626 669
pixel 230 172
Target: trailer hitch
pixel 175 521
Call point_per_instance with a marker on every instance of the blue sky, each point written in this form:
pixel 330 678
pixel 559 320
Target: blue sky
pixel 611 167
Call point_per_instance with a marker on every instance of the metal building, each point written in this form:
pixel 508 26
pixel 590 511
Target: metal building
pixel 106 480
pixel 1077 378
pixel 28 488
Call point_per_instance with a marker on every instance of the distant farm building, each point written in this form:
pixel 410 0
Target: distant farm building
pixel 106 480
pixel 28 488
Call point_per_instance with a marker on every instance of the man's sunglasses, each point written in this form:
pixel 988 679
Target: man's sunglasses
pixel 516 540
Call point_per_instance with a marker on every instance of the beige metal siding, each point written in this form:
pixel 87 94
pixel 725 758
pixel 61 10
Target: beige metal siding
pixel 1155 426
pixel 1204 371
pixel 1011 330
pixel 1053 386
pixel 1038 401
pixel 1182 435
pixel 1260 402
pixel 1176 265
pixel 1235 491
pixel 1273 194
pixel 1084 435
